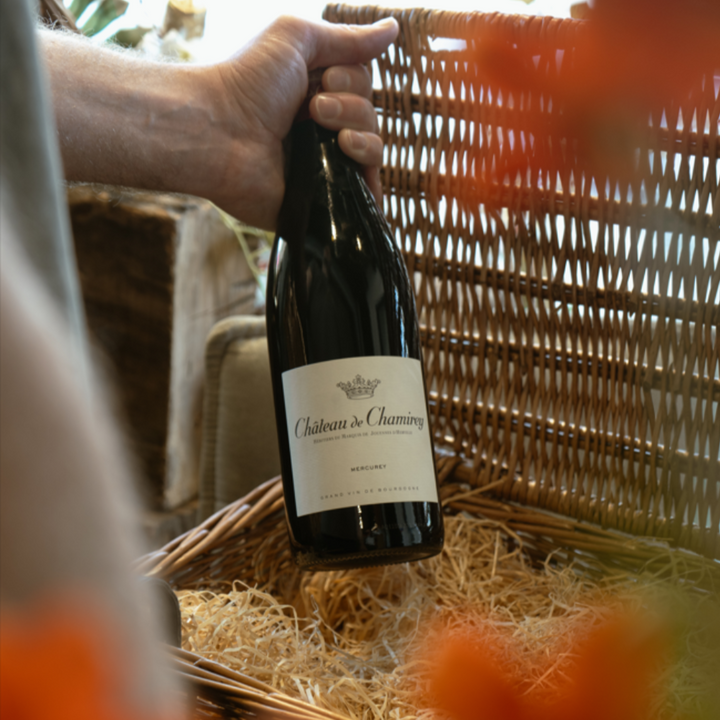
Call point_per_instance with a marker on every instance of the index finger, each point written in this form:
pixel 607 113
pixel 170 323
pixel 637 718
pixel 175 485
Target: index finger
pixel 348 79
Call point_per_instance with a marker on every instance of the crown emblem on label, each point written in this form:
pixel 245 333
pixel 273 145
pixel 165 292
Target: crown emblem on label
pixel 359 388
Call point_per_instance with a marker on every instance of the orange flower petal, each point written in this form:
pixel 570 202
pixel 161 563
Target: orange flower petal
pixel 62 661
pixel 469 681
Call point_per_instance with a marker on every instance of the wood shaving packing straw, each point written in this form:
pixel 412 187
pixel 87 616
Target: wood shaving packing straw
pixel 349 641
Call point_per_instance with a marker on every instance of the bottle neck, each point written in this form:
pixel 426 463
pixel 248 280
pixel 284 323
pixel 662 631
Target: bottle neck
pixel 316 159
pixel 320 181
pixel 308 138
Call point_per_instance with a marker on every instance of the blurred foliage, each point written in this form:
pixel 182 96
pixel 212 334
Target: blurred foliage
pixel 130 37
pixel 105 11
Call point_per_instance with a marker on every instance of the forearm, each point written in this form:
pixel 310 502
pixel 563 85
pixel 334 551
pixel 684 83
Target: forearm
pixel 214 131
pixel 127 121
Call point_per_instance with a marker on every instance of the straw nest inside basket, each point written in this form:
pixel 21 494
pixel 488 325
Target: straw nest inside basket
pixel 353 641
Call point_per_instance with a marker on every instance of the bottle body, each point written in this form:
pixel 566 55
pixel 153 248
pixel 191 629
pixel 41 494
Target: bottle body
pixel 355 445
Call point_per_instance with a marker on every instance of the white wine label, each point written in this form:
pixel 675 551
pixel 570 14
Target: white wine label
pixel 359 433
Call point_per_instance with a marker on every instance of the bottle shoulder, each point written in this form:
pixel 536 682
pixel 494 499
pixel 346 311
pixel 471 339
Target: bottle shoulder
pixel 327 200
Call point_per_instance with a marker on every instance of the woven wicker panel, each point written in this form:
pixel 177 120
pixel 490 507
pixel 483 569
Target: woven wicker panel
pixel 247 541
pixel 570 326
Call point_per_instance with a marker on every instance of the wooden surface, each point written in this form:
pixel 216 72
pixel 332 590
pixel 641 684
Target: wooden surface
pixel 157 271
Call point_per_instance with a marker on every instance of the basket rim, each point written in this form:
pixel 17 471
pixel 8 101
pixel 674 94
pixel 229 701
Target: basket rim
pixel 545 534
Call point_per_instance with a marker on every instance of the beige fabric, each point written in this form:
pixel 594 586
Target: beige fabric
pixel 239 438
pixel 33 198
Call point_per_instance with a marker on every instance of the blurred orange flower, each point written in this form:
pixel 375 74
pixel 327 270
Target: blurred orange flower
pixel 612 674
pixel 588 107
pixel 62 661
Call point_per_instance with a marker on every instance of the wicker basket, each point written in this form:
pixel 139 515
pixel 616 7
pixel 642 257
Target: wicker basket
pixel 569 376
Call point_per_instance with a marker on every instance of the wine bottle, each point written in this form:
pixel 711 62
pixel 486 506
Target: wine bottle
pixel 355 443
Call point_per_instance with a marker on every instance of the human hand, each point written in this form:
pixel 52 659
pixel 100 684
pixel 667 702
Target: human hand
pixel 257 94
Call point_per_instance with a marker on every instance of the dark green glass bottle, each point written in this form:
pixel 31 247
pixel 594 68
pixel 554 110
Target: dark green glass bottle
pixel 355 443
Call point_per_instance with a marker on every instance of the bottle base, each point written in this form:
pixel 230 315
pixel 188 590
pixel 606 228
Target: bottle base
pixel 312 561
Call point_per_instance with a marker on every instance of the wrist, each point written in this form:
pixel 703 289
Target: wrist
pixel 188 133
pixel 211 150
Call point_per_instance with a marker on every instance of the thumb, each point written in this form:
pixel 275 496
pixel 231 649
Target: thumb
pixel 325 44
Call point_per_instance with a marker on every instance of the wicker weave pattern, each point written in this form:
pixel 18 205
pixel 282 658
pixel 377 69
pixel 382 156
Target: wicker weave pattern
pixel 571 335
pixel 246 541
